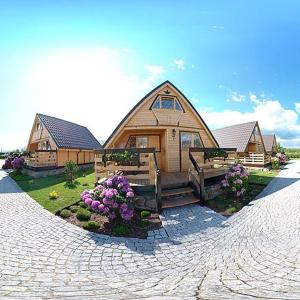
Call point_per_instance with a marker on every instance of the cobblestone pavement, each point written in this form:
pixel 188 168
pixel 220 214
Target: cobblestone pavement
pixel 198 255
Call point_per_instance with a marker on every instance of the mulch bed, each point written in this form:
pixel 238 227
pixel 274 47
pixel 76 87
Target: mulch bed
pixel 138 227
pixel 227 204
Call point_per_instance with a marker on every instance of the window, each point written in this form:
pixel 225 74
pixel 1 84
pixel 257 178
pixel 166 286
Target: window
pixel 177 105
pixel 163 102
pixel 137 142
pixel 46 145
pixel 167 103
pixel 38 126
pixel 190 139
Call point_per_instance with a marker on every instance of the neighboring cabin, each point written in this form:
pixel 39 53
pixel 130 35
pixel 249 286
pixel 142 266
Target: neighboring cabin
pixel 270 143
pixel 54 141
pixel 248 140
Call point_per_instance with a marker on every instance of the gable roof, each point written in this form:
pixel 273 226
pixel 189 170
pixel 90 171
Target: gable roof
pixel 69 135
pixel 145 97
pixel 269 140
pixel 235 136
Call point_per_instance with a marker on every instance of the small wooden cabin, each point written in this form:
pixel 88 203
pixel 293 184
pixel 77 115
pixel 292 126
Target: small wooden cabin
pixel 54 141
pixel 166 136
pixel 248 141
pixel 270 144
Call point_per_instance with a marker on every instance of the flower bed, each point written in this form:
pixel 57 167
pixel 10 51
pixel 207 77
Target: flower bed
pixel 108 209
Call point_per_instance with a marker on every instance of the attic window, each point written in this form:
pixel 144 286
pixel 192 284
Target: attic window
pixel 38 126
pixel 166 102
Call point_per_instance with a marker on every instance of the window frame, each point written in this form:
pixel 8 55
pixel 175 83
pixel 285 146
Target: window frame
pixel 158 100
pixel 144 135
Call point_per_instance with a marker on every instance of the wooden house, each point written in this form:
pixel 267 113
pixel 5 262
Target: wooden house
pixel 248 141
pixel 54 141
pixel 166 138
pixel 270 144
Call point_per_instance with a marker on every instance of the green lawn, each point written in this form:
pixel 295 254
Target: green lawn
pixel 262 177
pixel 40 188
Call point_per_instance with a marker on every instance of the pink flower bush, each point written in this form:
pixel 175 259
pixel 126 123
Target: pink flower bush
pixel 113 198
pixel 236 180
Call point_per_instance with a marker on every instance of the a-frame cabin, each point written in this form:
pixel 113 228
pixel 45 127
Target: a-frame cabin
pixel 167 121
pixel 166 138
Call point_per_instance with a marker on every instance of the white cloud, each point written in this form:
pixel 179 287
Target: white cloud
pixel 179 63
pixel 235 97
pixel 271 115
pixel 92 87
pixel 297 107
pixel 220 27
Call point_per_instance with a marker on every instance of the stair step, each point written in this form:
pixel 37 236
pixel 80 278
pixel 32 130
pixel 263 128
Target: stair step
pixel 174 192
pixel 180 201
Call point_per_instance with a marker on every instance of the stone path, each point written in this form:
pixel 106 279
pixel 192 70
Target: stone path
pixel 198 254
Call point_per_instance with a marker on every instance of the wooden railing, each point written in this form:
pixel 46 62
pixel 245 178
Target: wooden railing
pixel 41 158
pixel 254 159
pixel 141 170
pixel 207 163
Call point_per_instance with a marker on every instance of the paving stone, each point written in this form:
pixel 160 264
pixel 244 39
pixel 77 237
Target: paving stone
pixel 198 254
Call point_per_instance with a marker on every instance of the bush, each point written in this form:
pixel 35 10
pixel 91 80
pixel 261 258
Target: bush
pixel 74 208
pixel 65 213
pixel 112 198
pixel 232 210
pixel 275 163
pixel 145 214
pixel 83 214
pixel 82 204
pixel 91 225
pixel 71 170
pixel 53 195
pixel 236 180
pixel 144 223
pixel 121 230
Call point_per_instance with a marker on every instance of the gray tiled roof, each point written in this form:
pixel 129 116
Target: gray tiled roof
pixel 268 141
pixel 69 135
pixel 235 136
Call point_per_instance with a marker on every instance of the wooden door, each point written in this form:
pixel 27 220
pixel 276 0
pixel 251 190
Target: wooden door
pixel 188 140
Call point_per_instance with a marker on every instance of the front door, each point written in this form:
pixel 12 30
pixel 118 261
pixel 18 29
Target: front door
pixel 188 140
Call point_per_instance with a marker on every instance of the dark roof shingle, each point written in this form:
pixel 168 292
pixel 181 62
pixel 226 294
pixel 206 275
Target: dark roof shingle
pixel 235 136
pixel 69 135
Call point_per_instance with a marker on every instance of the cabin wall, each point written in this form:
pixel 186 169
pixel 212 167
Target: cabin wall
pixel 78 156
pixel 145 120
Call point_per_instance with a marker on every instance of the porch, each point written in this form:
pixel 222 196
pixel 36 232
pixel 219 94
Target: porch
pixel 41 159
pixel 166 189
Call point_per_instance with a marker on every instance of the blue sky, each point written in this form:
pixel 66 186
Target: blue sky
pixel 236 61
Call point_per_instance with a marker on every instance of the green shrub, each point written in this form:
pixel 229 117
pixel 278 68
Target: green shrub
pixel 82 204
pixel 121 230
pixel 74 208
pixel 144 223
pixel 19 176
pixel 91 225
pixel 65 213
pixel 83 214
pixel 71 170
pixel 232 210
pixel 145 214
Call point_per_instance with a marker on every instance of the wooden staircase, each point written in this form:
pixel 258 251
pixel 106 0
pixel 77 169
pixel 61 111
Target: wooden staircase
pixel 178 195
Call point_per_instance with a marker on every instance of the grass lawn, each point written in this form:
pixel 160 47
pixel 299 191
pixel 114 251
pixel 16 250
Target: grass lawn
pixel 262 177
pixel 40 188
